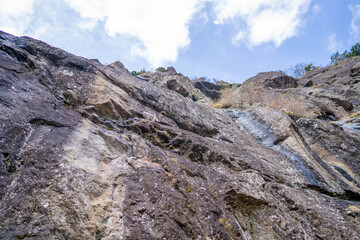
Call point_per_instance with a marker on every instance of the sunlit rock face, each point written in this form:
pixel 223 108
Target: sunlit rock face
pixel 89 151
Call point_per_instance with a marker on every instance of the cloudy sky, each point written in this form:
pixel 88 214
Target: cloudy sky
pixel 230 40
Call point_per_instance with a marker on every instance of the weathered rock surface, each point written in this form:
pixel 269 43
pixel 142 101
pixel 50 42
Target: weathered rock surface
pixel 210 90
pixel 89 151
pixel 274 80
pixel 341 79
pixel 214 91
pixel 319 101
pixel 177 82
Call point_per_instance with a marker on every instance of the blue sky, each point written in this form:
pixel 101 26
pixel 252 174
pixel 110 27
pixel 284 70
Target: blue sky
pixel 230 40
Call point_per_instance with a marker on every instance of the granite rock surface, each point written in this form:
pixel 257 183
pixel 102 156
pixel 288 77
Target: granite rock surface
pixel 88 151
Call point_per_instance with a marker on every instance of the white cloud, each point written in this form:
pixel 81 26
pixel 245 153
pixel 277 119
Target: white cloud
pixel 203 16
pixel 161 25
pixel 156 29
pixel 239 36
pixel 316 8
pixel 334 45
pixel 87 24
pixel 266 20
pixel 16 15
pixel 355 22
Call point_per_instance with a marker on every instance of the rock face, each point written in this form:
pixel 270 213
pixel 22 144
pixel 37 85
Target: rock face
pixel 341 79
pixel 89 151
pixel 210 90
pixel 177 82
pixel 274 80
pixel 319 101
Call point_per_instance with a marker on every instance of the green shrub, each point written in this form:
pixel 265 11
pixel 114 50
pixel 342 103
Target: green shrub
pixel 310 67
pixel 160 69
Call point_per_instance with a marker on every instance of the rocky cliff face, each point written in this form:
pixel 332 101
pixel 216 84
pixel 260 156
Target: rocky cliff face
pixel 89 151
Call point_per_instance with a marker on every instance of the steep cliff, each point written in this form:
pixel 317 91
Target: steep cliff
pixel 89 151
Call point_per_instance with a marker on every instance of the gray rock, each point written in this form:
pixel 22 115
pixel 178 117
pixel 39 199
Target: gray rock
pixel 210 90
pixel 274 80
pixel 89 151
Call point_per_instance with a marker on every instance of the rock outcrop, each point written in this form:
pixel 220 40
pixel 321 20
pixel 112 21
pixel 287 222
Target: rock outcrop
pixel 315 102
pixel 89 151
pixel 210 90
pixel 341 79
pixel 273 80
pixel 177 82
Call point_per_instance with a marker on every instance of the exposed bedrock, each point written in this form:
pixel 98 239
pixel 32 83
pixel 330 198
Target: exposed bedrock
pixel 88 151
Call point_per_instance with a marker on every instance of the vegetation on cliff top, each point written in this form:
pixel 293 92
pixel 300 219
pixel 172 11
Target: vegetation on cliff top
pixel 353 52
pixel 300 69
